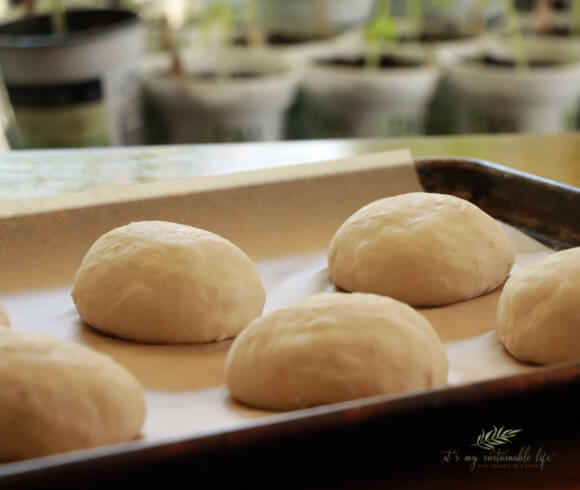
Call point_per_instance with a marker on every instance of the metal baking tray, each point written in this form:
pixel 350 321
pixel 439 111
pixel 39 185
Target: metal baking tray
pixel 361 443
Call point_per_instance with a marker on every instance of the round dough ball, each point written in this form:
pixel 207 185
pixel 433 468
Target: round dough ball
pixel 421 248
pixel 161 282
pixel 332 347
pixel 538 311
pixel 4 320
pixel 58 396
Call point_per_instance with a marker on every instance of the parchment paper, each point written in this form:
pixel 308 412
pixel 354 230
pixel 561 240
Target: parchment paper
pixel 185 384
pixel 185 392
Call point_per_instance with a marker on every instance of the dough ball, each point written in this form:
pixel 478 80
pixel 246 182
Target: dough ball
pixel 4 320
pixel 58 396
pixel 539 310
pixel 421 248
pixel 160 282
pixel 332 347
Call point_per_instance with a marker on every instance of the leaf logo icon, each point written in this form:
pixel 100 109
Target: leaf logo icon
pixel 495 437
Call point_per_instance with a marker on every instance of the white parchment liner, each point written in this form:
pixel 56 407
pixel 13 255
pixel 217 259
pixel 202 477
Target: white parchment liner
pixel 186 395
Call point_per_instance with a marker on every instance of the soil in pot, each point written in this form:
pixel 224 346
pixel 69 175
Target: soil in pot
pixel 237 75
pixel 212 75
pixel 558 31
pixel 385 62
pixel 77 21
pixel 490 60
pixel 434 37
pixel 279 39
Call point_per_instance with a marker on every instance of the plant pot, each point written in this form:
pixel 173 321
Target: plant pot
pixel 297 17
pixel 300 51
pixel 558 36
pixel 203 108
pixel 502 99
pixel 8 130
pixel 76 89
pixel 443 115
pixel 348 101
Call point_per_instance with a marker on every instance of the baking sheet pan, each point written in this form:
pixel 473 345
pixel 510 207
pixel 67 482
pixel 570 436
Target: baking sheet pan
pixel 282 218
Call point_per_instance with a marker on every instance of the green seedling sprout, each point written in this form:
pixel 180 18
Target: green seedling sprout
pixel 58 18
pixel 575 17
pixel 218 20
pixel 514 33
pixel 414 13
pixel 379 31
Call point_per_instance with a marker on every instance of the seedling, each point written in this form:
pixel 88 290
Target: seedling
pixel 58 18
pixel 575 17
pixel 513 30
pixel 217 27
pixel 514 33
pixel 381 30
pixel 57 10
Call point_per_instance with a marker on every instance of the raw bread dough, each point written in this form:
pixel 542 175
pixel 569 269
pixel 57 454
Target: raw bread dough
pixel 422 248
pixel 161 282
pixel 539 310
pixel 4 320
pixel 332 347
pixel 58 396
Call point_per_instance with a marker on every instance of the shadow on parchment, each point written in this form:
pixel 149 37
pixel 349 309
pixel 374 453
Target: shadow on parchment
pixel 163 367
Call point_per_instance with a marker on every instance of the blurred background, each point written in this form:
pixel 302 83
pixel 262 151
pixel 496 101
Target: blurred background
pixel 78 73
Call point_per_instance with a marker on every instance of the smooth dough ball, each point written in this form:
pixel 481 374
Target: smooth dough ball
pixel 4 320
pixel 161 282
pixel 539 310
pixel 332 347
pixel 421 248
pixel 58 396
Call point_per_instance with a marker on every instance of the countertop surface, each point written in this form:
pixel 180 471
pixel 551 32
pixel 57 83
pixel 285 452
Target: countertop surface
pixel 32 174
